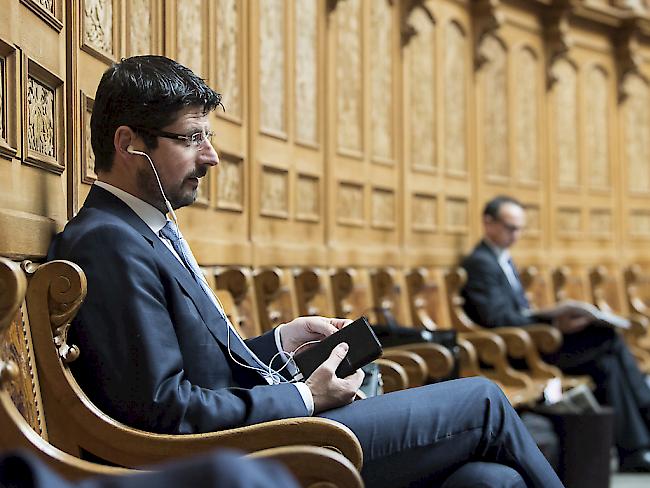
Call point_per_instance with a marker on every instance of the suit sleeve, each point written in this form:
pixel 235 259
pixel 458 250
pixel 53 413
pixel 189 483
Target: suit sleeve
pixel 485 300
pixel 133 365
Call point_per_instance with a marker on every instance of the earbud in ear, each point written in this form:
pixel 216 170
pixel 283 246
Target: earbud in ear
pixel 130 149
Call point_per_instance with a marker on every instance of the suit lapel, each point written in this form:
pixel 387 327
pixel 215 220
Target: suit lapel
pixel 212 319
pixel 504 279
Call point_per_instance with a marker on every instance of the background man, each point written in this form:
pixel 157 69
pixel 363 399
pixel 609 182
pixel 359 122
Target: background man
pixel 159 353
pixel 494 297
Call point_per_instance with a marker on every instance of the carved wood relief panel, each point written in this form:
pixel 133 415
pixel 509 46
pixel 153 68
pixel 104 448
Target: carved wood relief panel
pixel 306 72
pixel 228 77
pixel 381 79
pixel 424 211
pixel 636 113
pixel 455 97
pixel 350 206
pixel 88 174
pixel 272 61
pixel 308 198
pixel 50 11
pixel 230 182
pixel 140 27
pixel 190 34
pixel 495 108
pixel 600 222
pixel 348 76
pixel 566 124
pixel 421 88
pixel 17 347
pixel 456 214
pixel 383 208
pixel 597 133
pixel 44 127
pixel 640 223
pixel 97 29
pixel 526 116
pixel 274 198
pixel 569 221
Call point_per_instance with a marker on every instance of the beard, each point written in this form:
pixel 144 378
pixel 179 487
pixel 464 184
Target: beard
pixel 177 196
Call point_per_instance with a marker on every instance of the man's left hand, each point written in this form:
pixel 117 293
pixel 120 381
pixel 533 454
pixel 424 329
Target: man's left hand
pixel 305 329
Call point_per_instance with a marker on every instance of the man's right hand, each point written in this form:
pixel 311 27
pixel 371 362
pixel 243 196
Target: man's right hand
pixel 570 324
pixel 327 389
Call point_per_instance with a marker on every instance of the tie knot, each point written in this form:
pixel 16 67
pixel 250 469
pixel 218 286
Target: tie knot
pixel 170 231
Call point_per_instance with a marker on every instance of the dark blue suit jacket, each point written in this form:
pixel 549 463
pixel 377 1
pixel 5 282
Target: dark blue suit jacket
pixel 153 346
pixel 490 301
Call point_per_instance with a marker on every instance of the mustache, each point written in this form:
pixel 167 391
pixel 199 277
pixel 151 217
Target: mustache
pixel 197 173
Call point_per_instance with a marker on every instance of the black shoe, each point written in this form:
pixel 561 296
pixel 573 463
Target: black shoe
pixel 636 462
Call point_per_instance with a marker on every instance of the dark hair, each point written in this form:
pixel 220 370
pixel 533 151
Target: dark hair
pixel 143 91
pixel 493 206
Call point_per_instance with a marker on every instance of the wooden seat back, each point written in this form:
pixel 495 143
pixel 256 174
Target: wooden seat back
pixel 536 282
pixel 350 293
pixel 313 294
pixel 455 279
pixel 568 283
pixel 388 293
pixel 22 421
pixel 633 277
pixel 274 296
pixel 238 283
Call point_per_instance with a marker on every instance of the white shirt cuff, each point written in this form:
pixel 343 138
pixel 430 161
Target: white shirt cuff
pixel 307 397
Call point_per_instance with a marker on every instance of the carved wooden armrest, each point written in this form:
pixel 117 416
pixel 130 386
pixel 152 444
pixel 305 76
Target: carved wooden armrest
pixel 468 357
pixel 638 325
pixel 547 338
pixel 439 361
pixel 491 350
pixel 394 377
pixel 315 467
pixel 415 367
pixel 520 346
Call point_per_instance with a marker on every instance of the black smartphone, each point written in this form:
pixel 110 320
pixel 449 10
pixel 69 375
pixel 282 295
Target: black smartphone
pixel 364 348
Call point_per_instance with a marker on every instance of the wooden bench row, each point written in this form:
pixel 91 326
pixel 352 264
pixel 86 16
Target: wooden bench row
pixel 42 408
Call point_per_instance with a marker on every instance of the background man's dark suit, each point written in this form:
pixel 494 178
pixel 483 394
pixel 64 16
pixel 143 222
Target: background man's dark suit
pixel 154 356
pixel 491 301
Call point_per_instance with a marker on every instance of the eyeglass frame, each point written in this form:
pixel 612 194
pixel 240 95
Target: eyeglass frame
pixel 189 141
pixel 509 227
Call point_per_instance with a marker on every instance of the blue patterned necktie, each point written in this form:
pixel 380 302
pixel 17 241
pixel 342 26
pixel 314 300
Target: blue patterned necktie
pixel 172 234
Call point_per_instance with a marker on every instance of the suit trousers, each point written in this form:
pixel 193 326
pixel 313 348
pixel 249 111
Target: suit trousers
pixel 602 354
pixel 421 436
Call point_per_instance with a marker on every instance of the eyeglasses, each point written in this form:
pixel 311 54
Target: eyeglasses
pixel 195 139
pixel 509 227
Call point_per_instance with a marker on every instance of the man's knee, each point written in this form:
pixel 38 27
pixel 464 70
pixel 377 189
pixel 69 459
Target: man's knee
pixel 485 389
pixel 484 475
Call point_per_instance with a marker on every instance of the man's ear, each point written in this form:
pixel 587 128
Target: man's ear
pixel 124 139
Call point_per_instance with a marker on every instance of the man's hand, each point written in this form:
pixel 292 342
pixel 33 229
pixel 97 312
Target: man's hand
pixel 304 329
pixel 327 389
pixel 570 324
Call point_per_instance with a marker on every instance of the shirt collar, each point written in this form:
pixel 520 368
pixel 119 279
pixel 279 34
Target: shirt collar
pixel 149 214
pixel 502 254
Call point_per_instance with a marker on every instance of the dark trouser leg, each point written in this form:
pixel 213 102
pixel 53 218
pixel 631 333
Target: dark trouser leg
pixel 484 475
pixel 418 437
pixel 602 354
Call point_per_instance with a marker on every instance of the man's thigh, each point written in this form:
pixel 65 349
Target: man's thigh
pixel 484 475
pixel 419 434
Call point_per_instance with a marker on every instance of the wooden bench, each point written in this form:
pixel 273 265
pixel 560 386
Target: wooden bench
pixel 76 426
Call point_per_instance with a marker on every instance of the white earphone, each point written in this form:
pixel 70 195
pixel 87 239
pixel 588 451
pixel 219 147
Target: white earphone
pixel 270 372
pixel 131 150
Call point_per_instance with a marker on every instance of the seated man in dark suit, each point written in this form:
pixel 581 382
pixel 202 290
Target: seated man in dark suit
pixel 494 297
pixel 159 353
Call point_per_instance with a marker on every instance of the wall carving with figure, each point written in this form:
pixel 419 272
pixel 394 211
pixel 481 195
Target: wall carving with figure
pixel 354 132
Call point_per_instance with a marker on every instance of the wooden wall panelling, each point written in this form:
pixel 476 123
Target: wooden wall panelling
pixel 32 141
pixel 287 132
pixel 364 197
pixel 219 222
pixel 585 183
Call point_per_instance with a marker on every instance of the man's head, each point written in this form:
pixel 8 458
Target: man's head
pixel 154 105
pixel 503 220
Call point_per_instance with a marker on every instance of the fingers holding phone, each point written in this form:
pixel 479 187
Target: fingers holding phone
pixel 328 390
